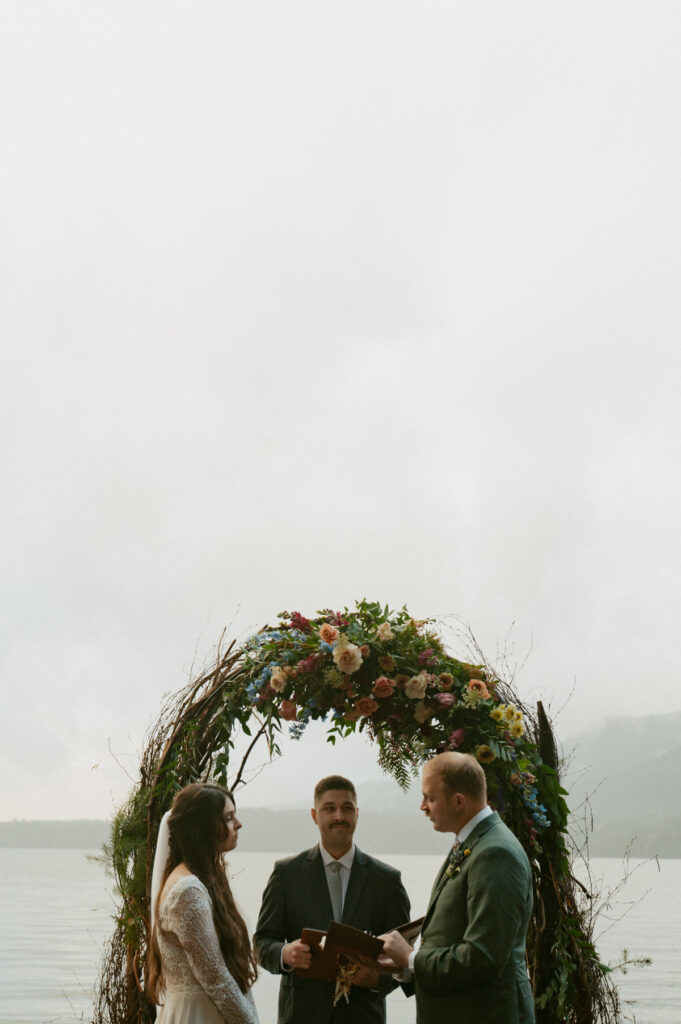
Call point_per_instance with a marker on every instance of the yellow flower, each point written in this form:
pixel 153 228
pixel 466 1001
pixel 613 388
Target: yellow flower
pixel 517 729
pixel 497 714
pixel 484 754
pixel 510 711
pixel 517 716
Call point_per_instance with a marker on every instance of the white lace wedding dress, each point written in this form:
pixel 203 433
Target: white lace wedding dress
pixel 198 987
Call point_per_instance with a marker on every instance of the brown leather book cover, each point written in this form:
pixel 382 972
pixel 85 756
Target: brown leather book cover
pixel 411 929
pixel 324 965
pixel 343 938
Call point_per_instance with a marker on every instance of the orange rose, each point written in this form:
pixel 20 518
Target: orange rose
pixel 366 706
pixel 328 633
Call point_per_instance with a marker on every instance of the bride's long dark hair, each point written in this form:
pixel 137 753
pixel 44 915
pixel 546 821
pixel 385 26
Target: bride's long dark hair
pixel 197 830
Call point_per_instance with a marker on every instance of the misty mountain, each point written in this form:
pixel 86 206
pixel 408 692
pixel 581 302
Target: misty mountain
pixel 621 777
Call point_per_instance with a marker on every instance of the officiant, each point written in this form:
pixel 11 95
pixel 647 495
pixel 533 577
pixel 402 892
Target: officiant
pixel 333 881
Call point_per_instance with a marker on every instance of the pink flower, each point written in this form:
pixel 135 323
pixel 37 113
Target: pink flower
pixel 335 617
pixel 446 680
pixel 365 650
pixel 299 621
pixel 288 710
pixel 310 664
pixel 328 633
pixel 366 706
pixel 477 687
pixel 457 737
pixel 383 687
pixel 443 700
pixel 427 657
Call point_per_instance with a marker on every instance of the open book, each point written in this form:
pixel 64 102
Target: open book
pixel 342 939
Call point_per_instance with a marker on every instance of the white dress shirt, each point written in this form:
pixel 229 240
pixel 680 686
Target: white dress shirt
pixel 346 862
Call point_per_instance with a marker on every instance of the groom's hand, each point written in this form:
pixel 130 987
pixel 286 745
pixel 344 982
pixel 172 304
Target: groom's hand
pixel 366 975
pixel 296 954
pixel 396 951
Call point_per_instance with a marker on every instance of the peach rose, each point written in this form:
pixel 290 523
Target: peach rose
pixel 288 710
pixel 477 687
pixel 416 688
pixel 383 687
pixel 328 633
pixel 384 632
pixel 348 657
pixel 365 650
pixel 366 706
pixel 278 679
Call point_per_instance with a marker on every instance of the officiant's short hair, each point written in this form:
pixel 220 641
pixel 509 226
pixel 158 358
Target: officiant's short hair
pixel 333 782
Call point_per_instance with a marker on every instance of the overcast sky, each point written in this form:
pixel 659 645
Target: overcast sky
pixel 304 302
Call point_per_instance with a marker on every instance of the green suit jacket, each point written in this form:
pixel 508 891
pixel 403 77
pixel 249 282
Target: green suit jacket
pixel 471 968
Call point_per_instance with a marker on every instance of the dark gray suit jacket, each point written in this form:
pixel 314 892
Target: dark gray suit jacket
pixel 297 897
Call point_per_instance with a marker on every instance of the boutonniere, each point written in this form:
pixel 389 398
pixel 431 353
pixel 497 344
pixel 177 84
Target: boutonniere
pixel 456 859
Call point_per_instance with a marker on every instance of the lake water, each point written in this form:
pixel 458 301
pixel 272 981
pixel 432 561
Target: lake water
pixel 56 915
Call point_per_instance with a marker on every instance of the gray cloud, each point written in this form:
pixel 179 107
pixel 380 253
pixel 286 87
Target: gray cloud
pixel 306 304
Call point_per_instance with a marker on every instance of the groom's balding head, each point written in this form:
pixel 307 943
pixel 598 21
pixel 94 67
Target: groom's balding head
pixel 460 773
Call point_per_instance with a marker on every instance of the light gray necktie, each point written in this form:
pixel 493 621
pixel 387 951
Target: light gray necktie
pixel 336 890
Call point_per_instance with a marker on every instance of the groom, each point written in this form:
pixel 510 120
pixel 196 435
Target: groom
pixel 332 881
pixel 470 967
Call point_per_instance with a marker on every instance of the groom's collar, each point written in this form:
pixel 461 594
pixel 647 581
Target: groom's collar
pixel 471 824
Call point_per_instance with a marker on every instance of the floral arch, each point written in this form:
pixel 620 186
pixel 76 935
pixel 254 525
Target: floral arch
pixel 389 675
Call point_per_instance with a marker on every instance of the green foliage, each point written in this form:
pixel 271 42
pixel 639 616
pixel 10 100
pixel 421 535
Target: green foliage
pixel 368 670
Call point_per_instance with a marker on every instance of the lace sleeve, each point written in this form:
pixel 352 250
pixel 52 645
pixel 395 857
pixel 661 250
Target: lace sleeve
pixel 190 918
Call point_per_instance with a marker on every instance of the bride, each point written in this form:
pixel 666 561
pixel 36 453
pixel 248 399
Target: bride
pixel 201 964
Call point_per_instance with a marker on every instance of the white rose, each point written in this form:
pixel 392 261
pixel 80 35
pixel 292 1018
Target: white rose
pixel 384 632
pixel 347 656
pixel 422 713
pixel 416 687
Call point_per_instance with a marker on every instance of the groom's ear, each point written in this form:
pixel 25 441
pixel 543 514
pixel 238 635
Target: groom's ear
pixel 313 812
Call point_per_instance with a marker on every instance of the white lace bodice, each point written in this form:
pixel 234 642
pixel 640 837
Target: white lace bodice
pixel 191 954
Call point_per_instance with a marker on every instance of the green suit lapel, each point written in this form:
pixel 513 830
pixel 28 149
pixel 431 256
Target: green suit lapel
pixel 460 858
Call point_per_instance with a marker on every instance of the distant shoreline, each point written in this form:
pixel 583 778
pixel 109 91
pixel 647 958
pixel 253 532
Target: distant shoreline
pixel 276 830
